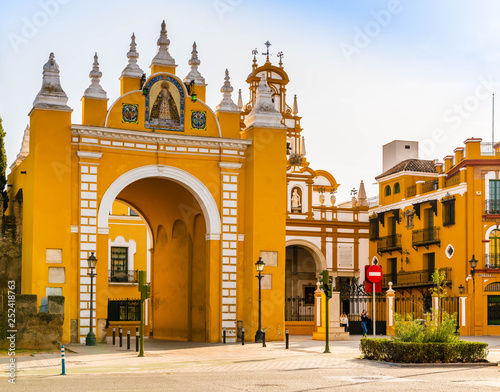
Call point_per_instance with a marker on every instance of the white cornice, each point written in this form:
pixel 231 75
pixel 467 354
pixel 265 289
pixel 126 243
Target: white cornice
pixel 89 154
pixel 406 173
pixel 150 137
pixel 437 195
pixel 230 165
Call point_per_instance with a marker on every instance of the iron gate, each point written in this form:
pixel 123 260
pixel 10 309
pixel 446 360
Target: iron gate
pixel 354 299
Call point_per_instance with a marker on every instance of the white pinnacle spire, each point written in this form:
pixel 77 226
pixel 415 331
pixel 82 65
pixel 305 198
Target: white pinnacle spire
pixel 163 58
pixel 194 74
pixel 95 89
pixel 132 70
pixel 25 148
pixel 264 114
pixel 227 104
pixel 240 100
pixel 51 94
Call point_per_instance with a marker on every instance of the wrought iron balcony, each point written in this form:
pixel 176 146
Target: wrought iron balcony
pixel 426 237
pixel 413 278
pixel 492 260
pixel 389 243
pixel 123 276
pixel 492 207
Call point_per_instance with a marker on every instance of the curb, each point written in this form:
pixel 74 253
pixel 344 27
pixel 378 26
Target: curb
pixel 453 364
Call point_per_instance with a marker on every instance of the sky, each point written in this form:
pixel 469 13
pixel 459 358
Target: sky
pixel 365 72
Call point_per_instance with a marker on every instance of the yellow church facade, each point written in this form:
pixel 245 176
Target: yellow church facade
pixel 158 181
pixel 441 215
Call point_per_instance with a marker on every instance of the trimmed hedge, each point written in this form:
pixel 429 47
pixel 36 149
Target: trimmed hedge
pixel 406 352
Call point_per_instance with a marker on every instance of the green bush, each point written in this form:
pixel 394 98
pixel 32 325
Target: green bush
pixel 406 329
pixel 409 352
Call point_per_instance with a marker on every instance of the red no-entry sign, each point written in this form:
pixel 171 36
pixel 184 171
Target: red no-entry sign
pixel 374 274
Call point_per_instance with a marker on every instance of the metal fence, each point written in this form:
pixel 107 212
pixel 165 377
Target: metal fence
pixel 123 310
pixel 130 276
pixel 420 307
pixel 354 306
pixel 299 309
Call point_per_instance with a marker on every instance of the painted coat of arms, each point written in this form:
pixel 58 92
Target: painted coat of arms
pixel 198 120
pixel 130 113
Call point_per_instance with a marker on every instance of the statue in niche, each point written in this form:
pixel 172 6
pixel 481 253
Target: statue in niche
pixel 296 205
pixel 165 111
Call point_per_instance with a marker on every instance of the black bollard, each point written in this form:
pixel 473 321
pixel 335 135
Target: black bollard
pixel 137 339
pixel 264 338
pixel 224 335
pixel 287 336
pixel 120 336
pixel 128 339
pixel 114 333
pixel 242 336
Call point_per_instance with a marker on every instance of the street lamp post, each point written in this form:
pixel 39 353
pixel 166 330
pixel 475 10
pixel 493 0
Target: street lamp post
pixel 259 265
pixel 92 261
pixel 473 265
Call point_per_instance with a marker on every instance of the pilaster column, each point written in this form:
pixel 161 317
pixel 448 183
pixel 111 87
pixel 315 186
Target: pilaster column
pixel 87 231
pixel 229 180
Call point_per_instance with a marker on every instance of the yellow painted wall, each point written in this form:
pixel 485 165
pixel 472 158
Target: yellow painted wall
pixel 265 227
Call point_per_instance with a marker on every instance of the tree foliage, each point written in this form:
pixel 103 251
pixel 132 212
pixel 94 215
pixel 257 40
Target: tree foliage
pixel 3 166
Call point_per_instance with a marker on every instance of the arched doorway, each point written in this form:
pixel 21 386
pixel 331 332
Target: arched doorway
pixel 180 262
pixel 303 265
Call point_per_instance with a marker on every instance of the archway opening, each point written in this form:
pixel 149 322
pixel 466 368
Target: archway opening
pixel 301 271
pixel 177 266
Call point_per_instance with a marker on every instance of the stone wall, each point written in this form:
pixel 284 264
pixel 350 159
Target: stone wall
pixel 34 330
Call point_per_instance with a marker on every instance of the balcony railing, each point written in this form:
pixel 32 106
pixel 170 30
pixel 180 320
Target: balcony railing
pixel 487 149
pixel 411 191
pixel 430 186
pixel 389 243
pixel 492 260
pixel 413 278
pixel 492 207
pixel 426 237
pixel 452 181
pixel 124 276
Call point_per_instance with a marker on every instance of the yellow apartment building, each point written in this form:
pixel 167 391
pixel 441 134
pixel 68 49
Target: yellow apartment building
pixel 441 215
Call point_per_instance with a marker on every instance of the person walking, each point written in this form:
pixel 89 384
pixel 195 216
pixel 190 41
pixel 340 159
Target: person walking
pixel 344 322
pixel 364 322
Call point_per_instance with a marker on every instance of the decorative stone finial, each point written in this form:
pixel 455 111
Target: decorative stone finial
pixel 51 94
pixel 295 109
pixel 132 70
pixel 254 52
pixel 163 58
pixel 240 100
pixel 95 89
pixel 362 201
pixel 264 114
pixel 303 147
pixel 194 74
pixel 227 104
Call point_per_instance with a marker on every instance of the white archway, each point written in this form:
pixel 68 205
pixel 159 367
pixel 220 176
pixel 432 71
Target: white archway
pixel 318 256
pixel 187 180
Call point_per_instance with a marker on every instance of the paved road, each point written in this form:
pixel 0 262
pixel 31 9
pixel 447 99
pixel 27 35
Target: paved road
pixel 174 366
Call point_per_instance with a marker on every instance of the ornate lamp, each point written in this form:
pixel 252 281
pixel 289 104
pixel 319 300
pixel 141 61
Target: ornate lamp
pixel 92 262
pixel 259 266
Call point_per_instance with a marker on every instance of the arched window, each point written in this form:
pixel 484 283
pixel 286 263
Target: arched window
pixel 388 190
pixel 397 188
pixel 494 256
